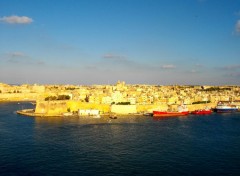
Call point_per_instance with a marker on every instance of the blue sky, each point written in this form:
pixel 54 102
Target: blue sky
pixel 102 41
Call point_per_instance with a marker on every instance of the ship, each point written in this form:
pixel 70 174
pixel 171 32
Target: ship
pixel 202 112
pixel 182 111
pixel 225 107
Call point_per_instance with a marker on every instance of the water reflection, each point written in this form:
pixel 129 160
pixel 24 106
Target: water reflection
pixel 90 120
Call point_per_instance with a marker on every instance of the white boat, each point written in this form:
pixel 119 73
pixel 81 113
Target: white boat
pixel 223 107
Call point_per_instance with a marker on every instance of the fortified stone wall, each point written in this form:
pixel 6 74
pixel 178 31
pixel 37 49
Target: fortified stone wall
pixel 76 105
pixel 62 106
pixel 124 109
pixel 150 108
pixel 51 107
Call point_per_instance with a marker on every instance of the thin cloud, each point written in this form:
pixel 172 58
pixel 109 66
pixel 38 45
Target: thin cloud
pixel 18 57
pixel 193 71
pixel 91 67
pixel 235 75
pixel 14 19
pixel 199 65
pixel 168 66
pixel 237 28
pixel 16 54
pixel 114 57
pixel 231 67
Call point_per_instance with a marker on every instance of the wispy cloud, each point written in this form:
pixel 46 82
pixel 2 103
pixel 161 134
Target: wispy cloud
pixel 18 57
pixel 169 66
pixel 231 71
pixel 91 67
pixel 235 75
pixel 199 65
pixel 14 19
pixel 231 67
pixel 114 57
pixel 237 27
pixel 193 71
pixel 16 54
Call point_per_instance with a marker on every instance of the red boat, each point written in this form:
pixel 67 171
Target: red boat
pixel 169 114
pixel 182 111
pixel 202 111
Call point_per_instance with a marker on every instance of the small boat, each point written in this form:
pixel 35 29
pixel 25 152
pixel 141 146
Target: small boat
pixel 202 112
pixel 147 114
pixel 113 117
pixel 223 107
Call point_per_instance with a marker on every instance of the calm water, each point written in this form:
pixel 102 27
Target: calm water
pixel 193 145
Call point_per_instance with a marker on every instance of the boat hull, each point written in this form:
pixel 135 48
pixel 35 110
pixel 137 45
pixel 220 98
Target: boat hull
pixel 169 114
pixel 202 112
pixel 229 110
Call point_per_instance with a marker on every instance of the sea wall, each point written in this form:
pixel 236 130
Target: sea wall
pixel 124 109
pixel 62 106
pixel 150 108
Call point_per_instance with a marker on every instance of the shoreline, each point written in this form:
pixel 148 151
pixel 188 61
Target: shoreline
pixel 31 113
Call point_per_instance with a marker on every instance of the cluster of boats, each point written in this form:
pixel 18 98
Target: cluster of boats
pixel 183 110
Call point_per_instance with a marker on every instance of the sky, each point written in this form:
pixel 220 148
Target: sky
pixel 85 42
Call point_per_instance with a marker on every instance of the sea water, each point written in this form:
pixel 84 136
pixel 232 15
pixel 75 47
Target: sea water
pixel 131 145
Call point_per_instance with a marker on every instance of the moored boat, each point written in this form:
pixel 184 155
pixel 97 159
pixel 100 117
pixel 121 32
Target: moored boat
pixel 201 112
pixel 223 107
pixel 182 111
pixel 169 113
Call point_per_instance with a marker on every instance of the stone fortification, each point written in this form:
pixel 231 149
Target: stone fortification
pixel 62 106
pixel 74 106
pixel 124 109
pixel 51 107
pixel 150 108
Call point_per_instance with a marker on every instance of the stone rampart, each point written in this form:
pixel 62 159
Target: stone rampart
pixel 59 107
pixel 124 109
pixel 150 108
pixel 62 106
pixel 51 107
